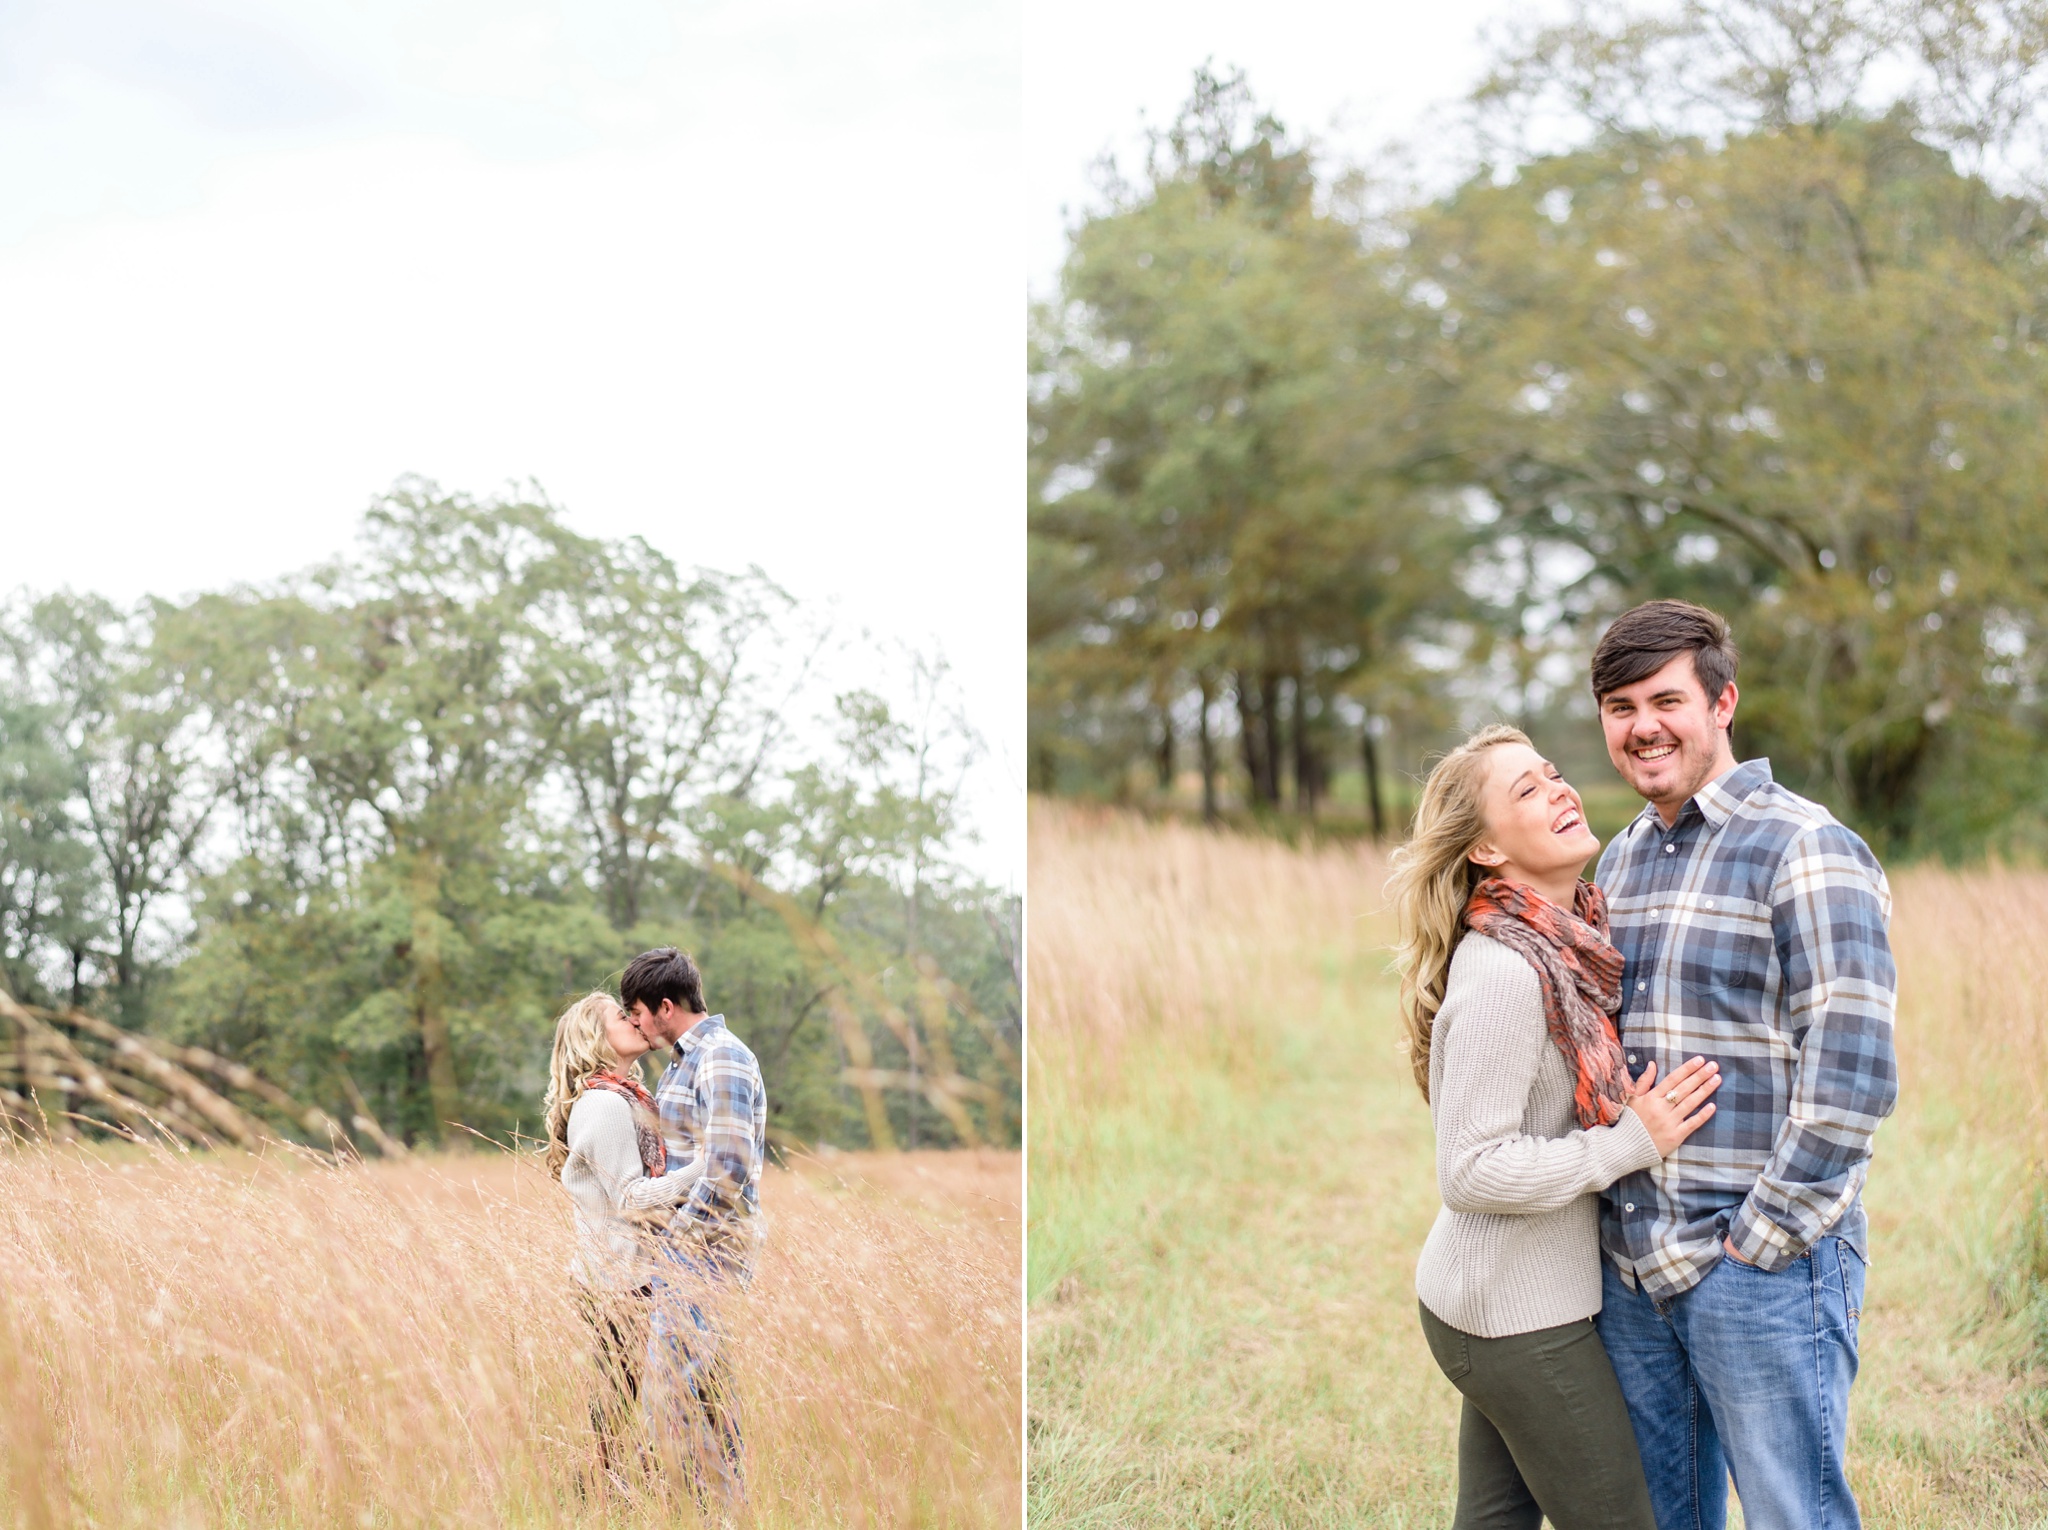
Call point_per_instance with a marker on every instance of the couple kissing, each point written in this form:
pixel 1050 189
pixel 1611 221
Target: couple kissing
pixel 1654 1097
pixel 667 1198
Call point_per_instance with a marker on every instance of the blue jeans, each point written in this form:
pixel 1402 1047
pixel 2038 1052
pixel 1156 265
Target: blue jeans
pixel 691 1398
pixel 1745 1374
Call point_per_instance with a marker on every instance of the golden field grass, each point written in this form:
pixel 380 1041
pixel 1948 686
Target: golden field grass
pixel 229 1340
pixel 1232 1175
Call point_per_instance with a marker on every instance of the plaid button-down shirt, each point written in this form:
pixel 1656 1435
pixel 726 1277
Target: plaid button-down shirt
pixel 1754 934
pixel 712 1101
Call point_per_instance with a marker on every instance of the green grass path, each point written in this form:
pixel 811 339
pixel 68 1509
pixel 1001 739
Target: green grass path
pixel 1222 1310
pixel 1222 1322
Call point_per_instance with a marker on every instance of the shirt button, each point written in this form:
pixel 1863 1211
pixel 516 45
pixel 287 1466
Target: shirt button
pixel 1628 1205
pixel 1668 849
pixel 1641 986
pixel 1655 912
pixel 1631 1057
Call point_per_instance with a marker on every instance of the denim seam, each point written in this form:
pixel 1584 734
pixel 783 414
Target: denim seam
pixel 1692 1405
pixel 1818 1282
pixel 1852 1312
pixel 1692 1433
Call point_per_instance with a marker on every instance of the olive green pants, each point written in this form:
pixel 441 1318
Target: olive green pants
pixel 1544 1431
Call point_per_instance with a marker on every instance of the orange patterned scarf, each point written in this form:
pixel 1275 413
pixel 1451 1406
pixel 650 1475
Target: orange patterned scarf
pixel 1580 973
pixel 646 1119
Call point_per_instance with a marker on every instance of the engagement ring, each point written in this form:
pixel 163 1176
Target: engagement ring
pixel 1671 1095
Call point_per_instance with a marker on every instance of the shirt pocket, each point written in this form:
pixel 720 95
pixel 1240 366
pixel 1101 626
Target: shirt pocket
pixel 1724 953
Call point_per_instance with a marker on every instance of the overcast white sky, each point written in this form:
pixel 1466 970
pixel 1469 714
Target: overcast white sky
pixel 1354 75
pixel 741 276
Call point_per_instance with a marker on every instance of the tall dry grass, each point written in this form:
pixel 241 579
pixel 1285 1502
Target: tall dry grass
pixel 1972 949
pixel 225 1340
pixel 1232 1175
pixel 1142 932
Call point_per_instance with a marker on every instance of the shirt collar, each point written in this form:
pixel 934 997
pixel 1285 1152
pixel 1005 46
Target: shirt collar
pixel 1716 801
pixel 695 1036
pixel 1720 797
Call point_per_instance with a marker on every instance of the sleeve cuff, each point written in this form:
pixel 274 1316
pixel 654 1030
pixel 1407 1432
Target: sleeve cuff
pixel 1631 1148
pixel 1763 1243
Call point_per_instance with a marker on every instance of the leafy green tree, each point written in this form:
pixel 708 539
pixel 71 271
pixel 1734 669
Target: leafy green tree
pixel 1223 506
pixel 368 830
pixel 1792 371
pixel 46 887
pixel 144 790
pixel 655 692
pixel 1737 300
pixel 412 719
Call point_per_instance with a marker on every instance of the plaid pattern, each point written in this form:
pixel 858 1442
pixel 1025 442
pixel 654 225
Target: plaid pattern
pixel 1753 931
pixel 711 1097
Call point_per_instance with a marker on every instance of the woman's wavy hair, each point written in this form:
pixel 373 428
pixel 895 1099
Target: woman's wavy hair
pixel 580 1050
pixel 1433 879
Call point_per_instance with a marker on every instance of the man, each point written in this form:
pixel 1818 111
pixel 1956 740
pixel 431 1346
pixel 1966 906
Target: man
pixel 712 1103
pixel 1753 929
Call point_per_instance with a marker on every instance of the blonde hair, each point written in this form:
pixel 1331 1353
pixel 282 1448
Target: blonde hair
pixel 1432 880
pixel 580 1050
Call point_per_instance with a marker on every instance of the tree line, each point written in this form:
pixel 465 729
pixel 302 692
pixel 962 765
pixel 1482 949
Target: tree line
pixel 366 830
pixel 1323 468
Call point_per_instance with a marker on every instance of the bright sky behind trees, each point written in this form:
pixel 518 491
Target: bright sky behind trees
pixel 1355 76
pixel 740 278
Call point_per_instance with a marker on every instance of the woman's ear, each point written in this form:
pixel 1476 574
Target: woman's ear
pixel 1485 855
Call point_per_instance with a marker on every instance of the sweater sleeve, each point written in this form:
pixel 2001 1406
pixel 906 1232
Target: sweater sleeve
pixel 1493 1034
pixel 659 1192
pixel 601 1133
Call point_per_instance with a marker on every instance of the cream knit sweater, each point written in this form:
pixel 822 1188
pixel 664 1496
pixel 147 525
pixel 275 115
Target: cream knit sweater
pixel 1517 1244
pixel 619 1209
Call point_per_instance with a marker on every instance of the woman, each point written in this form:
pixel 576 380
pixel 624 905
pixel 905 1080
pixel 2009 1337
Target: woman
pixel 605 1146
pixel 1510 990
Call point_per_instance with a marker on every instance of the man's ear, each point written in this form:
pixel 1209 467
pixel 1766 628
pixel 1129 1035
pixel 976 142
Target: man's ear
pixel 1724 705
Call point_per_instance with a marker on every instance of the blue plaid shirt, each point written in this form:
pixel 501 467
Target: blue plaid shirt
pixel 712 1101
pixel 1754 934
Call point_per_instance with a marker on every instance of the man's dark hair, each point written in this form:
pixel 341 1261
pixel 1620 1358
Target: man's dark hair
pixel 666 973
pixel 1646 638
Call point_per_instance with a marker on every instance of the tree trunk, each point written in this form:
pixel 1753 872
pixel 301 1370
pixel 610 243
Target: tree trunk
pixel 1207 746
pixel 622 887
pixel 1370 757
pixel 1272 748
pixel 1165 758
pixel 1247 742
pixel 430 997
pixel 1308 782
pixel 1255 737
pixel 127 998
pixel 911 1052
